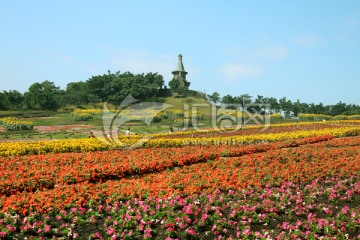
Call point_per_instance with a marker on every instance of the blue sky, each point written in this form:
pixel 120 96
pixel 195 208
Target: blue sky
pixel 307 50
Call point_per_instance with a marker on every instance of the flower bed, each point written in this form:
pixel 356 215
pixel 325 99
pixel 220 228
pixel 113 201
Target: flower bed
pixel 296 188
pixel 102 166
pixel 85 145
pixel 14 124
pixel 319 209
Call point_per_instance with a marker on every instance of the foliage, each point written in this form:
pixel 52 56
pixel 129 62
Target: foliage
pixel 44 95
pixel 175 87
pixel 82 116
pixel 14 124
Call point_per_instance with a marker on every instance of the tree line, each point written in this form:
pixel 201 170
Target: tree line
pixel 287 107
pixel 114 87
pixel 110 87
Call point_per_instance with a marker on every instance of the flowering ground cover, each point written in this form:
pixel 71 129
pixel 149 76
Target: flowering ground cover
pixel 43 171
pixel 251 130
pixel 341 129
pixel 307 187
pixel 49 129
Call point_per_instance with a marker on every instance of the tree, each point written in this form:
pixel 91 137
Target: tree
pixel 77 93
pixel 296 108
pixel 43 96
pixel 175 86
pixel 243 100
pixel 98 87
pixel 228 99
pixel 338 109
pixel 14 98
pixel 4 103
pixel 215 97
pixel 274 104
pixel 285 106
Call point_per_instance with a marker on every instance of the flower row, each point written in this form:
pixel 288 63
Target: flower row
pixel 85 145
pixel 36 172
pixel 271 168
pixel 14 124
pixel 321 209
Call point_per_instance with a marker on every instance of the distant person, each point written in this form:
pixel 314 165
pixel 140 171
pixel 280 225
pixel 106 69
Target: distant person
pixel 171 129
pixel 127 133
pixel 91 135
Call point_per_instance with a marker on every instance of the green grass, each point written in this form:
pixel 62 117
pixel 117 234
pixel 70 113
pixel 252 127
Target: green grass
pixel 64 117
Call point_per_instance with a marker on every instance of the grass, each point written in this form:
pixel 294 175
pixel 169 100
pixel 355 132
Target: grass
pixel 64 117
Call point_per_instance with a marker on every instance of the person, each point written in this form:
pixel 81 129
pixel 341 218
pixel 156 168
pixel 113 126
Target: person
pixel 91 135
pixel 171 129
pixel 127 132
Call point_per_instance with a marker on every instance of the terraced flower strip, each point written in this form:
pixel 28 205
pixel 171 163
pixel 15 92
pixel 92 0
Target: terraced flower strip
pixel 271 167
pixel 38 172
pixel 254 130
pixel 86 145
pixel 321 209
pixel 14 124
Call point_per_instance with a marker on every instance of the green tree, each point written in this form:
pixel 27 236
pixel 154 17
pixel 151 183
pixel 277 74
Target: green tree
pixel 243 100
pixel 215 97
pixel 4 103
pixel 98 87
pixel 228 99
pixel 296 108
pixel 338 109
pixel 14 98
pixel 175 87
pixel 43 96
pixel 286 106
pixel 76 93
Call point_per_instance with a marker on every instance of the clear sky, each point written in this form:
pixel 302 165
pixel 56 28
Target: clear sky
pixel 307 50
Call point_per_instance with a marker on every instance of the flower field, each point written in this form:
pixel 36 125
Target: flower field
pixel 288 182
pixel 248 135
pixel 14 124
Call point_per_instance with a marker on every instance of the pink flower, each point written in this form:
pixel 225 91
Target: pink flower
pixel 326 210
pixel 110 231
pixel 285 225
pixel 259 235
pixel 213 228
pixel 186 219
pixel 47 228
pixel 96 235
pixel 247 232
pixel 345 209
pixel 190 231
